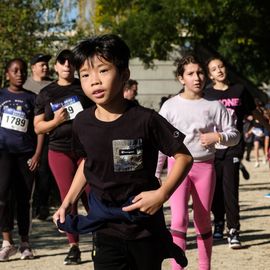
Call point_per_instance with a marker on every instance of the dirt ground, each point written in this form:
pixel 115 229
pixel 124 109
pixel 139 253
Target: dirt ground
pixel 50 246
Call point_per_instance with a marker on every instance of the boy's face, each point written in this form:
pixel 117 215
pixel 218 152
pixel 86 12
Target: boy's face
pixel 101 81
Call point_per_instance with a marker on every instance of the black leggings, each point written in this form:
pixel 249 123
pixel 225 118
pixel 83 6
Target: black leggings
pixel 16 185
pixel 226 196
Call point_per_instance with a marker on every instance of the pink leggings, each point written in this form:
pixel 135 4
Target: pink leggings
pixel 64 166
pixel 200 184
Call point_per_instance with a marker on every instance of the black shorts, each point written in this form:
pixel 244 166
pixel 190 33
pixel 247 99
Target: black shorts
pixel 113 253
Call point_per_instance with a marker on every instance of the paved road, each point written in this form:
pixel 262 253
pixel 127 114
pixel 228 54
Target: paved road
pixel 51 247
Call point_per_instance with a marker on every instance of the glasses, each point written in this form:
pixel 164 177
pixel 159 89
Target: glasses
pixel 62 60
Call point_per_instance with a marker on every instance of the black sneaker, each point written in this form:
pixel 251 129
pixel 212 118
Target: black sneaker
pixel 244 171
pixel 218 230
pixel 74 256
pixel 233 239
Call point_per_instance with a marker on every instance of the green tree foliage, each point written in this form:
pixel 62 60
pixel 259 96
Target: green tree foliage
pixel 28 27
pixel 238 30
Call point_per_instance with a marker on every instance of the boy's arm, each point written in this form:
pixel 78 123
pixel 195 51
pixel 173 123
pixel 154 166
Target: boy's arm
pixel 150 201
pixel 77 186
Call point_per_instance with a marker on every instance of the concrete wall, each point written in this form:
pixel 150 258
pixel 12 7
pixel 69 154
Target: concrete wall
pixel 154 83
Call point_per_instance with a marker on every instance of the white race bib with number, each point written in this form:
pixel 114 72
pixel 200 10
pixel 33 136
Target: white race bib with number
pixel 72 105
pixel 73 108
pixel 15 120
pixel 257 132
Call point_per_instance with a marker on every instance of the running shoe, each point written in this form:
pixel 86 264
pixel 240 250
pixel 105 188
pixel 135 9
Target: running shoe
pixel 26 253
pixel 233 239
pixel 218 230
pixel 73 256
pixel 244 171
pixel 6 252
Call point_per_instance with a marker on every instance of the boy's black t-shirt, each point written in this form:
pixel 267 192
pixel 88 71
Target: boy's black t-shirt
pixel 121 156
pixel 51 98
pixel 239 103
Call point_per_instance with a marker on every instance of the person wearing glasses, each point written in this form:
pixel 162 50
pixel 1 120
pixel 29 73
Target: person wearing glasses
pixel 56 106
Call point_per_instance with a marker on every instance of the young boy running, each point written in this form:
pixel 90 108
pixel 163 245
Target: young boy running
pixel 119 141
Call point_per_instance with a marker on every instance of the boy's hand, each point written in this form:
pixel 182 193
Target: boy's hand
pixel 148 202
pixel 60 215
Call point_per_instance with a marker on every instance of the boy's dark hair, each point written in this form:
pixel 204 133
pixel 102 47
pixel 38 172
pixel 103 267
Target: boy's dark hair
pixel 185 60
pixel 109 47
pixel 9 63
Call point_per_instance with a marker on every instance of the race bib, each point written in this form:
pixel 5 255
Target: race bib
pixel 257 132
pixel 72 105
pixel 15 120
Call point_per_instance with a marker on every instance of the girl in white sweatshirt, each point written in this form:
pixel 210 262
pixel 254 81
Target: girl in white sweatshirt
pixel 205 123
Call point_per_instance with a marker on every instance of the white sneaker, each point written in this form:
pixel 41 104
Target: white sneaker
pixel 6 252
pixel 257 164
pixel 233 239
pixel 26 253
